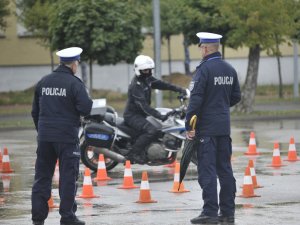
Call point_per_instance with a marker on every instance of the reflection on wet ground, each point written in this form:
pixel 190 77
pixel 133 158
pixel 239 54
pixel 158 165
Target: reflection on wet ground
pixel 278 196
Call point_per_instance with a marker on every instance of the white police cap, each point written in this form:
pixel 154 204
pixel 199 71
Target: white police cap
pixel 69 54
pixel 206 37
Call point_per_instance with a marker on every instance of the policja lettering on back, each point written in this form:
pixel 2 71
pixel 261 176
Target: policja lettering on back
pixel 54 91
pixel 223 80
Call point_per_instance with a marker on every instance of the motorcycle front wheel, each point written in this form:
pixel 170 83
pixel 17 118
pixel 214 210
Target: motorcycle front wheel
pixel 90 158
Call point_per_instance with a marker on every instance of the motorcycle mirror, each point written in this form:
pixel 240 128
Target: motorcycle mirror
pixel 188 93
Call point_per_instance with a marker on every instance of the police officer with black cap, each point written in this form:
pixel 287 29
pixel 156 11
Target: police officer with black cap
pixel 60 99
pixel 139 105
pixel 214 89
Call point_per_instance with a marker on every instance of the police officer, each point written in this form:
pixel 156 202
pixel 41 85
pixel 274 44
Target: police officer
pixel 214 89
pixel 139 105
pixel 60 99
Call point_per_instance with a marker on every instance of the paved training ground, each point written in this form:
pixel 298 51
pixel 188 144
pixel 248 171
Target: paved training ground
pixel 279 202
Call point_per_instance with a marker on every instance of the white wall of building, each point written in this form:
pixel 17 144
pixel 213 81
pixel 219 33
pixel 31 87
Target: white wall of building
pixel 117 77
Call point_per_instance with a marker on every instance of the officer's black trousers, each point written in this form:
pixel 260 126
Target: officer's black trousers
pixel 214 155
pixel 47 155
pixel 146 131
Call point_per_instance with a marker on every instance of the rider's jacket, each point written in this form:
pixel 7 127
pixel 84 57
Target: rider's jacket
pixel 139 96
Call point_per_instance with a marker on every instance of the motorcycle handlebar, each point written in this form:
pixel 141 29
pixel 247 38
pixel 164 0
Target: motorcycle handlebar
pixel 183 97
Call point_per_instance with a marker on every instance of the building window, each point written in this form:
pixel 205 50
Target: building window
pixel 2 33
pixel 21 30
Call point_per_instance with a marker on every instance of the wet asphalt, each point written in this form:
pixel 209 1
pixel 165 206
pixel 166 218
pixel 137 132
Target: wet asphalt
pixel 279 201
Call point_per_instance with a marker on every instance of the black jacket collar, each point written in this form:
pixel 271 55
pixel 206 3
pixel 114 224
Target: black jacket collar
pixel 64 69
pixel 215 54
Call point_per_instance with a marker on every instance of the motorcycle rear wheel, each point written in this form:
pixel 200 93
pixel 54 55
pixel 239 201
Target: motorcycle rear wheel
pixel 90 158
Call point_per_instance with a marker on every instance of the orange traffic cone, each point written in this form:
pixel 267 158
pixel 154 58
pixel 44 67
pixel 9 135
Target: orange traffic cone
pixel 128 179
pixel 6 183
pixel 101 172
pixel 248 190
pixel 51 204
pixel 292 154
pixel 171 165
pixel 276 160
pixel 56 173
pixel 252 145
pixel 0 156
pixel 57 166
pixel 87 190
pixel 145 196
pixel 253 174
pixel 2 200
pixel 5 162
pixel 176 188
pixel 0 160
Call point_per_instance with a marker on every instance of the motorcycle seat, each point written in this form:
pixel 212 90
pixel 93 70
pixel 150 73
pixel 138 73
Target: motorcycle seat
pixel 110 118
pixel 126 129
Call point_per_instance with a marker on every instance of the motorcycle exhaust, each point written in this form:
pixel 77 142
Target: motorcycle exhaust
pixel 110 154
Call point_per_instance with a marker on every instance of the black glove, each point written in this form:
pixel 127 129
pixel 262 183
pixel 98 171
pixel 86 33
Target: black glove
pixel 164 117
pixel 182 91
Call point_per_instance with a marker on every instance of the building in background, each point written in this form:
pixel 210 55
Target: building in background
pixel 23 61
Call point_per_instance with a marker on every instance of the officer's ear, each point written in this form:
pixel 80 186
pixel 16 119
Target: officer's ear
pixel 74 66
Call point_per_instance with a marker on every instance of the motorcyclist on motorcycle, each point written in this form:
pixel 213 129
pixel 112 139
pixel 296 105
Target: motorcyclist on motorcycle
pixel 138 105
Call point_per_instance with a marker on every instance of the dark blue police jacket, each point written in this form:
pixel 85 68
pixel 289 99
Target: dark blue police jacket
pixel 214 89
pixel 60 99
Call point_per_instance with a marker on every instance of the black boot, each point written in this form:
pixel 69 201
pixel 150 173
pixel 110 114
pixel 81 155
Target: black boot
pixel 140 159
pixel 226 219
pixel 203 219
pixel 75 221
pixel 137 157
pixel 37 222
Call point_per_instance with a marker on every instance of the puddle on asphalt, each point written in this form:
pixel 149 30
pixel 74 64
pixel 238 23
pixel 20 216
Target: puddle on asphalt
pixel 15 188
pixel 248 205
pixel 284 203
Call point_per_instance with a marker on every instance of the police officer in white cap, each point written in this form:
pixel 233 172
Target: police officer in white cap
pixel 214 89
pixel 60 98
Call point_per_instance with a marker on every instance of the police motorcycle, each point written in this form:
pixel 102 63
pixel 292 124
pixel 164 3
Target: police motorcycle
pixel 104 132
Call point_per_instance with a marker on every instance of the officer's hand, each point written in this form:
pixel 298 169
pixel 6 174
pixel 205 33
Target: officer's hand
pixel 190 134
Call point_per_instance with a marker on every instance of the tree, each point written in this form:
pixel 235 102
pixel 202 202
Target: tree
pixel 4 12
pixel 209 19
pixel 254 24
pixel 35 15
pixel 176 15
pixel 170 17
pixel 286 26
pixel 277 54
pixel 295 36
pixel 295 4
pixel 108 31
pixel 191 22
pixel 202 16
pixel 170 22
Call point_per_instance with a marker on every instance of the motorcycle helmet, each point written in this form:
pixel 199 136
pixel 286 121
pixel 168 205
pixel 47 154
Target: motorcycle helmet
pixel 142 63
